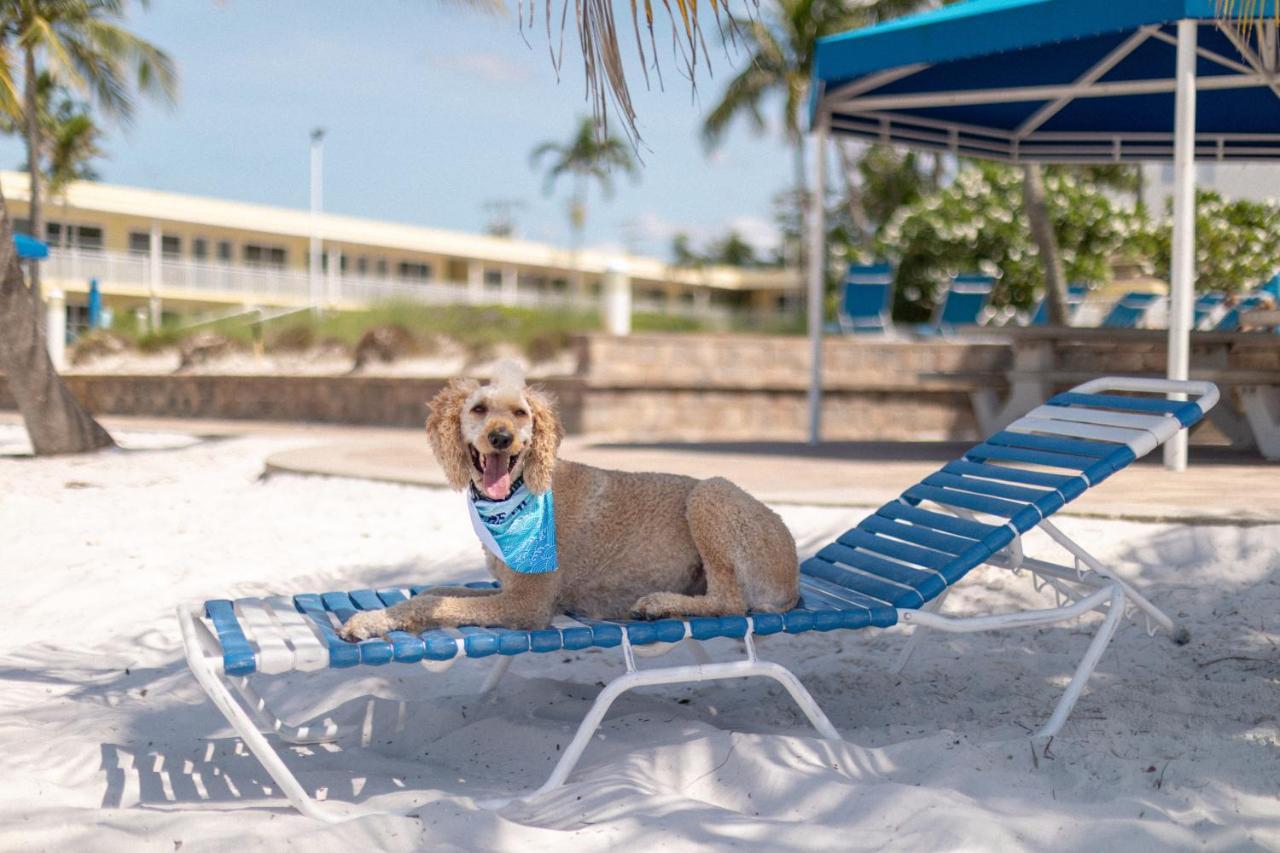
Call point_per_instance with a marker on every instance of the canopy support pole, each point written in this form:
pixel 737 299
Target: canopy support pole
pixel 1182 262
pixel 817 271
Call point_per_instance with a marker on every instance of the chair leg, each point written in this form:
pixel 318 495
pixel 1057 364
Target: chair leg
pixel 1115 612
pixel 673 675
pixel 917 635
pixel 208 678
pixel 491 680
pixel 269 720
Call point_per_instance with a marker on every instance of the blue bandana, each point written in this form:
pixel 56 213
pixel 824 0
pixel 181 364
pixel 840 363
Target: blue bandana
pixel 520 531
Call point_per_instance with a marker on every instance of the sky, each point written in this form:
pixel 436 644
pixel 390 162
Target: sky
pixel 431 110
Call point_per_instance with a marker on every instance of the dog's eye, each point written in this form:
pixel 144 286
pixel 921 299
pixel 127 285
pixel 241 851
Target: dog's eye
pixel 479 409
pixel 520 413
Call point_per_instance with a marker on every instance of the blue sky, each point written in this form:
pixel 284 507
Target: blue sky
pixel 431 110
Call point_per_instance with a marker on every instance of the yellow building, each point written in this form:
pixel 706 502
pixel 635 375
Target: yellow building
pixel 185 254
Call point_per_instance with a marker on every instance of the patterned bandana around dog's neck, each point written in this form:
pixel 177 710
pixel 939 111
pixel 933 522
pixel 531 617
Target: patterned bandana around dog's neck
pixel 520 531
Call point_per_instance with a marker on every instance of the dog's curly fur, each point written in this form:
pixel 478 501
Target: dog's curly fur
pixel 630 545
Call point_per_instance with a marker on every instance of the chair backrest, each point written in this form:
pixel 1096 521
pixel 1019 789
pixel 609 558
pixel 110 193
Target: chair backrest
pixel 1206 304
pixel 1230 321
pixel 1272 287
pixel 1129 310
pixel 966 298
pixel 1075 296
pixel 864 304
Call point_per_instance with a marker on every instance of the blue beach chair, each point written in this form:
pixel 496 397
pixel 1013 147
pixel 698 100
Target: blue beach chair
pixel 963 304
pixel 865 302
pixel 1205 306
pixel 1075 297
pixel 1130 310
pixel 895 567
pixel 1230 321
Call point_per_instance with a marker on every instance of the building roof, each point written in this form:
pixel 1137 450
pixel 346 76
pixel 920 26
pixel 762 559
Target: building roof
pixel 292 222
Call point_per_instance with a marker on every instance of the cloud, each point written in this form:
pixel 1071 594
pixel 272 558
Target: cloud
pixel 487 65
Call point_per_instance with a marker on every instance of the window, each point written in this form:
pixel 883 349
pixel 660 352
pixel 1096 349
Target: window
pixel 200 249
pixel 88 237
pixel 493 279
pixel 264 256
pixel 382 267
pixel 362 265
pixel 53 233
pixel 414 271
pixel 140 244
pixel 224 251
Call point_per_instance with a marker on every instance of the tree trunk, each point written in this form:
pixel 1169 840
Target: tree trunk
pixel 802 199
pixel 853 192
pixel 56 422
pixel 1055 287
pixel 31 127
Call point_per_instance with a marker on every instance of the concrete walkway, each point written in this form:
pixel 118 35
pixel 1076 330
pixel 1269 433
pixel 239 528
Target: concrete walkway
pixel 1220 487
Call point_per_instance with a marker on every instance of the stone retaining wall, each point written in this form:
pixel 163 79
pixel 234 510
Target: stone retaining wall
pixel 692 387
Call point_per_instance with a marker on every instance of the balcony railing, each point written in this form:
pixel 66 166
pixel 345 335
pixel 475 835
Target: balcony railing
pixel 128 273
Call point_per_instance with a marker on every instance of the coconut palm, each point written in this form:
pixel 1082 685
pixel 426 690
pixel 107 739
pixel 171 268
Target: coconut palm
pixel 584 157
pixel 82 46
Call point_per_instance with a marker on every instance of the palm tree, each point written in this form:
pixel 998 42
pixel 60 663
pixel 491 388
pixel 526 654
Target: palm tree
pixel 583 157
pixel 82 46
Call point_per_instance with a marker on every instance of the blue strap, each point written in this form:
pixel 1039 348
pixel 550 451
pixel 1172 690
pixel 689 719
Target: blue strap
pixel 237 654
pixel 868 541
pixel 341 653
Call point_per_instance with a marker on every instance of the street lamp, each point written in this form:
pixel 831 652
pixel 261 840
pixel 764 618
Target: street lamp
pixel 317 204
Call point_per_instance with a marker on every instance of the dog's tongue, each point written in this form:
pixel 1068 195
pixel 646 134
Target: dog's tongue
pixel 497 476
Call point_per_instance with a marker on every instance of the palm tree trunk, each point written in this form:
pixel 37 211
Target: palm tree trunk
pixel 1055 288
pixel 31 126
pixel 55 420
pixel 802 197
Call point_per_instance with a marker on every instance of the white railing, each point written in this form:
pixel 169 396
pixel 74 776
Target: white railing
pixel 241 284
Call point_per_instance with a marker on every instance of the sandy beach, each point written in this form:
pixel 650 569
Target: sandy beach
pixel 107 743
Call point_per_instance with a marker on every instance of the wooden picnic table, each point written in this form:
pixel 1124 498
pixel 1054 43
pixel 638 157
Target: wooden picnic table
pixel 1046 359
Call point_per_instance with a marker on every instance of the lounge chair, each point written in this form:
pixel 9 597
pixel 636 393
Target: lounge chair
pixel 1075 298
pixel 963 304
pixel 1130 310
pixel 865 300
pixel 895 567
pixel 1206 307
pixel 1230 321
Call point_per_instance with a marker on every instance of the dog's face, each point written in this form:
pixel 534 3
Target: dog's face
pixel 491 435
pixel 497 427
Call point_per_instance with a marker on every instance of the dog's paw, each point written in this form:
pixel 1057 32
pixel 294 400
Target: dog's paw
pixel 656 605
pixel 366 626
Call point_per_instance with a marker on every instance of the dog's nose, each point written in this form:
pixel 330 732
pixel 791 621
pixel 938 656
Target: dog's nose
pixel 500 439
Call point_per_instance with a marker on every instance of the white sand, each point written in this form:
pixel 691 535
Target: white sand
pixel 106 742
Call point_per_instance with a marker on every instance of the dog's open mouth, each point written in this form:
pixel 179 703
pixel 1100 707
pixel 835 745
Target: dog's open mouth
pixel 495 472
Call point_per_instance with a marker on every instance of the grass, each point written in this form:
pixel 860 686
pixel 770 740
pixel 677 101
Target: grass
pixel 479 329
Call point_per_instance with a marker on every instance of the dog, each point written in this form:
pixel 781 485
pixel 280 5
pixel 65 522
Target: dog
pixel 624 545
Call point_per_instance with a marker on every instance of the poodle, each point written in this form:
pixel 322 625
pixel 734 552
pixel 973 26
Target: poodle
pixel 562 537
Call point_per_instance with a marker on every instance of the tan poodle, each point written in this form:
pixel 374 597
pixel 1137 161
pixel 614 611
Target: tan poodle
pixel 628 545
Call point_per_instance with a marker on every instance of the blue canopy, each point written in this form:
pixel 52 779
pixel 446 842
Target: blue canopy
pixel 1052 80
pixel 29 248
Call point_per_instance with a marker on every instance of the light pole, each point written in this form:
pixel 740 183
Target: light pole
pixel 317 204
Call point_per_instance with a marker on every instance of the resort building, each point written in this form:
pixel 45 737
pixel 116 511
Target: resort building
pixel 162 253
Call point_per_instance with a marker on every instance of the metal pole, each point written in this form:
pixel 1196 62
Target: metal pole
pixel 1184 227
pixel 317 204
pixel 817 277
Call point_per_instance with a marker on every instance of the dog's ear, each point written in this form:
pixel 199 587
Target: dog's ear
pixel 547 433
pixel 444 431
